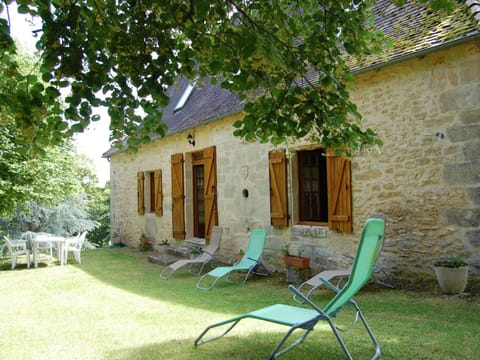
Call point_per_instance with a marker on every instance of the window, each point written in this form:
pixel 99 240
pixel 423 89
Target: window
pixel 320 185
pixel 312 186
pixel 186 94
pixel 198 199
pixel 151 194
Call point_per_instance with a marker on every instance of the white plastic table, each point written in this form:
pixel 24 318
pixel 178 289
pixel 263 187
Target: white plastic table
pixel 59 240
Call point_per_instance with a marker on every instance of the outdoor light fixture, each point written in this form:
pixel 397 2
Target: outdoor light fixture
pixel 190 139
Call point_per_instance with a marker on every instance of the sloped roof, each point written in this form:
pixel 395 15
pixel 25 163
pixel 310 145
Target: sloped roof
pixel 413 29
pixel 207 102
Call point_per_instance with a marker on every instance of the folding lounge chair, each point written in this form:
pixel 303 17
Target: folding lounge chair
pixel 305 319
pixel 249 262
pixel 203 259
pixel 379 275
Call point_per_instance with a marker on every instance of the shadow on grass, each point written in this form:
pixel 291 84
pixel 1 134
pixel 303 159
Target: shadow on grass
pixel 131 271
pixel 234 347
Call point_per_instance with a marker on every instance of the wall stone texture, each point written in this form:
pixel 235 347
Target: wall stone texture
pixel 425 178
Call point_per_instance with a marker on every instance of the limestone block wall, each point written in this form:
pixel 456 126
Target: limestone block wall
pixel 426 177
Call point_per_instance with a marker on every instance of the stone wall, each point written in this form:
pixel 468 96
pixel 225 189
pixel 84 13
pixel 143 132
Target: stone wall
pixel 425 178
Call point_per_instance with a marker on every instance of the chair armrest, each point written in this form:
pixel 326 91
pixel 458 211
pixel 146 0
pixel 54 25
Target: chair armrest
pixel 19 244
pixel 307 300
pixel 329 284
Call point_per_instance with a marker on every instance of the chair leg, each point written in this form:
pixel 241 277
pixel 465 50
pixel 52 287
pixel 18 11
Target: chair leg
pixel 277 352
pixel 14 261
pixel 378 351
pixel 166 273
pixel 336 330
pixel 206 287
pixel 227 279
pixel 78 256
pixel 199 340
pixel 200 268
pixel 388 282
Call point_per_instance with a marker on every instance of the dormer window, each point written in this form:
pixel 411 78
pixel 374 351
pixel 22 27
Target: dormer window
pixel 186 94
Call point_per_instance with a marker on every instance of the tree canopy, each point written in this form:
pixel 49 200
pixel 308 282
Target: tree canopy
pixel 284 57
pixel 46 178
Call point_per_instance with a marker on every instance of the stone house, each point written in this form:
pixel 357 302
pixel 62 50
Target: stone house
pixel 422 97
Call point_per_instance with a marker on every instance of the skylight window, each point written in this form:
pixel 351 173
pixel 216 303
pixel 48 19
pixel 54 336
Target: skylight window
pixel 186 94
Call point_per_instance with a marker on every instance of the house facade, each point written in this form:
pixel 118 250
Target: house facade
pixel 424 103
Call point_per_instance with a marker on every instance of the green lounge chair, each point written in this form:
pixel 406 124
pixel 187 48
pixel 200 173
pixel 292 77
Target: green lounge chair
pixel 305 319
pixel 203 259
pixel 379 274
pixel 249 262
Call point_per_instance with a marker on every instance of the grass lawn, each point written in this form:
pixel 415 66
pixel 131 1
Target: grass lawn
pixel 115 306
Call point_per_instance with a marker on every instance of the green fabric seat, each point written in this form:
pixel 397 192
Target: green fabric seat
pixel 305 319
pixel 248 263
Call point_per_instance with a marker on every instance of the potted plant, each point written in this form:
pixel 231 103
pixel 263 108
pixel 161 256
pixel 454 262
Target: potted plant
pixel 163 246
pixel 239 255
pixel 297 267
pixel 145 244
pixel 297 261
pixel 452 274
pixel 195 251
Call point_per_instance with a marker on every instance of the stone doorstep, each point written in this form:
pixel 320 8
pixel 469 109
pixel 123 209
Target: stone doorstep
pixel 162 259
pixel 179 251
pixel 170 255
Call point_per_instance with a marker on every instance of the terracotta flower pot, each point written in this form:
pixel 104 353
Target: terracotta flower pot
pixel 300 262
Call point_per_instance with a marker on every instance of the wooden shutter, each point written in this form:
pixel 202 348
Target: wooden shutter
pixel 278 188
pixel 140 193
pixel 210 190
pixel 339 193
pixel 158 192
pixel 178 196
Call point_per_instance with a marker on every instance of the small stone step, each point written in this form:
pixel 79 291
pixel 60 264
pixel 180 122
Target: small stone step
pixel 179 251
pixel 162 259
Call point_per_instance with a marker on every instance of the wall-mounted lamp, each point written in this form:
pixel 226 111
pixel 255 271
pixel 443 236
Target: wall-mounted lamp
pixel 190 139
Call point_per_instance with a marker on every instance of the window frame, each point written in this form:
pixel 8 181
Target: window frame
pixel 339 185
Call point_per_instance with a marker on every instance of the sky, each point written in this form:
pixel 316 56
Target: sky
pixel 93 142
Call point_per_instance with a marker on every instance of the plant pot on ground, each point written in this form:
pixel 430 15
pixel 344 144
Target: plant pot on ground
pixel 195 251
pixel 299 262
pixel 145 244
pixel 239 255
pixel 452 274
pixel 295 259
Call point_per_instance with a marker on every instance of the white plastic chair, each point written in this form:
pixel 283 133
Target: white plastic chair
pixel 74 245
pixel 17 248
